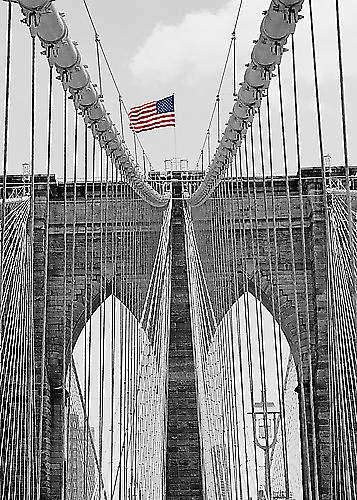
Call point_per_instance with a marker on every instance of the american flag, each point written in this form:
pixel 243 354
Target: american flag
pixel 154 114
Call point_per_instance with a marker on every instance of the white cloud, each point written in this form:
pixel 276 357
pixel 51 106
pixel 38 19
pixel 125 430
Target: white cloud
pixel 193 48
pixel 191 53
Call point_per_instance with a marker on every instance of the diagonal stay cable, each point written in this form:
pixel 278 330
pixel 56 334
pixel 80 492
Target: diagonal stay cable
pixel 216 102
pixel 111 72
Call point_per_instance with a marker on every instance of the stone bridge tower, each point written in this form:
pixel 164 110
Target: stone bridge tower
pixel 227 207
pixel 145 227
pixel 134 222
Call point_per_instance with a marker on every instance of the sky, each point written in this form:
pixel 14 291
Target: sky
pixel 157 48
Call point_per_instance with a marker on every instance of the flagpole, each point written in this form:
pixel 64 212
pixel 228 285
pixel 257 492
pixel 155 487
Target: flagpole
pixel 175 142
pixel 175 137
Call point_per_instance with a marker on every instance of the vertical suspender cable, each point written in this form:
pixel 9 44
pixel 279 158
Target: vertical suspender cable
pixel 4 173
pixel 114 228
pixel 144 165
pixel 134 223
pixel 136 345
pixel 303 240
pixel 216 102
pixel 135 148
pixel 218 118
pixel 94 451
pixel 296 302
pixel 101 320
pixel 121 330
pixel 141 213
pixel 270 270
pixel 227 263
pixel 321 149
pixel 130 339
pixel 85 353
pixel 127 336
pixel 221 308
pixel 32 213
pixel 220 474
pixel 104 332
pixel 64 304
pixel 253 229
pixel 69 350
pixel 100 46
pixel 234 64
pixel 242 256
pixel 277 341
pixel 232 236
pixel 121 116
pixel 5 151
pixel 259 313
pixel 344 129
pixel 246 305
pixel 342 94
pixel 102 282
pixel 209 145
pixel 45 270
pixel 347 172
pixel 91 281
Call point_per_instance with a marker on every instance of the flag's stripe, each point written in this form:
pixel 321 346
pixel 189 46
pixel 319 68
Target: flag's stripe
pixel 153 118
pixel 137 114
pixel 153 126
pixel 135 108
pixel 168 124
pixel 150 125
pixel 143 115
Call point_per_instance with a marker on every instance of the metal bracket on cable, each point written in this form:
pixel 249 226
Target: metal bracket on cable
pixel 48 25
pixel 278 24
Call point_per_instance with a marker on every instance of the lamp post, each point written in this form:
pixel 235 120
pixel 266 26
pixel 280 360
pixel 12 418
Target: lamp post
pixel 266 433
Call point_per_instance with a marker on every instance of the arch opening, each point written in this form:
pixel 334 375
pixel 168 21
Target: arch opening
pixel 249 407
pixel 115 412
pixel 98 299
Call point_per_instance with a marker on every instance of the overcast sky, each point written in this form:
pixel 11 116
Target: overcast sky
pixel 156 48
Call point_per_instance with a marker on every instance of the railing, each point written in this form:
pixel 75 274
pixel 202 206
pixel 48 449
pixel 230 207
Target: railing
pixel 15 193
